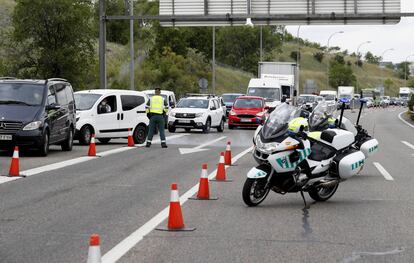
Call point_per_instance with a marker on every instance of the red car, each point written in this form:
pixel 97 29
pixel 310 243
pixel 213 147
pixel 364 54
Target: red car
pixel 248 111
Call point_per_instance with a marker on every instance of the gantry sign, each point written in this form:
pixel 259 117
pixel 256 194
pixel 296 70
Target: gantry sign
pixel 259 12
pixel 277 12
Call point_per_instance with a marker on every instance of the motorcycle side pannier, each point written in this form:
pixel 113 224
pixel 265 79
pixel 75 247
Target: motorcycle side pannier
pixel 348 164
pixel 369 147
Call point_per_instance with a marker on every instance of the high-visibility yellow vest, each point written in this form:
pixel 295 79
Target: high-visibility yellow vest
pixel 156 104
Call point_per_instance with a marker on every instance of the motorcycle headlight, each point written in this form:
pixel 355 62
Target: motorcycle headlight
pixel 267 148
pixel 199 114
pixel 32 126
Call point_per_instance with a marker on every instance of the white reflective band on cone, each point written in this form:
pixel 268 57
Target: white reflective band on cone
pixel 93 140
pixel 204 173
pixel 129 132
pixel 221 159
pixel 94 255
pixel 16 154
pixel 174 196
pixel 228 147
pixel 162 141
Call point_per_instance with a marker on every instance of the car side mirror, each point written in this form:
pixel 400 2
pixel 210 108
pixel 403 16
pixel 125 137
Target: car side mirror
pixel 53 106
pixel 172 105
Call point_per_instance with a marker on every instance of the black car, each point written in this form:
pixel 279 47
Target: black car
pixel 36 113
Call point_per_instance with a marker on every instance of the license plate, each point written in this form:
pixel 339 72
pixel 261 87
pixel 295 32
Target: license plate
pixel 184 121
pixel 5 137
pixel 245 120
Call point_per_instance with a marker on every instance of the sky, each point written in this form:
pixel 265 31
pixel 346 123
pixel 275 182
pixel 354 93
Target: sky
pixel 400 37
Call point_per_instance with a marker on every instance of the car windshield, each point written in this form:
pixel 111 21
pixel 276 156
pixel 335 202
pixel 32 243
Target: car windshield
pixel 248 103
pixel 321 113
pixel 85 101
pixel 277 123
pixel 193 103
pixel 230 98
pixel 328 96
pixel 270 94
pixel 306 99
pixel 21 94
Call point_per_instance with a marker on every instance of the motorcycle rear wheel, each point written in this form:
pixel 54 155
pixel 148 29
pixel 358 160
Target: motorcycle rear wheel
pixel 254 192
pixel 322 194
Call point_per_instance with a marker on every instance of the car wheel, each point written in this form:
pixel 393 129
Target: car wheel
pixel 221 127
pixel 85 135
pixel 44 148
pixel 140 134
pixel 104 140
pixel 171 128
pixel 67 145
pixel 207 127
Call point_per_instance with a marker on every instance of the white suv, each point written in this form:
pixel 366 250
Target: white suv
pixel 197 112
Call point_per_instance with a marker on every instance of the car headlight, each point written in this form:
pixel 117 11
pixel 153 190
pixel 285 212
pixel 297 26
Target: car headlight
pixel 232 113
pixel 32 126
pixel 172 114
pixel 199 114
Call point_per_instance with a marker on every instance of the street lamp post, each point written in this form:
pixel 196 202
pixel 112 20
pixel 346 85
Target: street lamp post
pixel 382 60
pixel 405 72
pixel 327 72
pixel 360 45
pixel 297 64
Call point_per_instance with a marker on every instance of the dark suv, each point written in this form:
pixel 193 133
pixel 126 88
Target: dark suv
pixel 36 113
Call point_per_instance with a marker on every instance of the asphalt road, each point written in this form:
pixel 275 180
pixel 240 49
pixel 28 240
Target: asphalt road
pixel 49 216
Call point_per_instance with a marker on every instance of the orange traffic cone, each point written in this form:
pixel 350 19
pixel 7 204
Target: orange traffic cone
pixel 94 253
pixel 221 170
pixel 203 188
pixel 227 155
pixel 92 146
pixel 14 166
pixel 130 139
pixel 175 217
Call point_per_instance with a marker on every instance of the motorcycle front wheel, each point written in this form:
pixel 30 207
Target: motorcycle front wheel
pixel 321 194
pixel 254 191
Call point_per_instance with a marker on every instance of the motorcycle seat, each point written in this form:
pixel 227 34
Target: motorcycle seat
pixel 321 151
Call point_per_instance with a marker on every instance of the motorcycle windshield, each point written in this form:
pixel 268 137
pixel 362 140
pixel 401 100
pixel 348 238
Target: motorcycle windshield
pixel 321 114
pixel 277 123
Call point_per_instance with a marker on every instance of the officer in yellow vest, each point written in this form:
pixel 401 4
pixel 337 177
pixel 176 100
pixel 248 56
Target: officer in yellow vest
pixel 156 109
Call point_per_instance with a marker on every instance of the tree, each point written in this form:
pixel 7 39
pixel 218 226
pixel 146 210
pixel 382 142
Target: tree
pixel 370 58
pixel 388 83
pixel 403 70
pixel 339 59
pixel 56 38
pixel 341 75
pixel 319 56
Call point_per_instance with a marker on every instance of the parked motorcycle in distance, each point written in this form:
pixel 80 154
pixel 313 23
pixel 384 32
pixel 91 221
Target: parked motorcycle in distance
pixel 292 162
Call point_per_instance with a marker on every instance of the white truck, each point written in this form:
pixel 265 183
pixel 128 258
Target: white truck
pixel 330 96
pixel 405 94
pixel 267 88
pixel 286 73
pixel 346 92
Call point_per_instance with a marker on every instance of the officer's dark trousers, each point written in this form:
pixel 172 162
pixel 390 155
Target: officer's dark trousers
pixel 158 121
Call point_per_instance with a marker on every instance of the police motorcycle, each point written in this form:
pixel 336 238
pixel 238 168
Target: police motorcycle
pixel 291 163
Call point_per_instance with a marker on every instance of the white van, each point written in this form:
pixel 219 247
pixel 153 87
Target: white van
pixel 330 96
pixel 109 113
pixel 267 88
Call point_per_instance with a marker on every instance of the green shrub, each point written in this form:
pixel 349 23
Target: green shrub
pixel 411 103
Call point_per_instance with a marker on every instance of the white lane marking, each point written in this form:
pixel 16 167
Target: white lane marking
pixel 200 147
pixel 406 122
pixel 132 240
pixel 384 172
pixel 408 144
pixel 60 165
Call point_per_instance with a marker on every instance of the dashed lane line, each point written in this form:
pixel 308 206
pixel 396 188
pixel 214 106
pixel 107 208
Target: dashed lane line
pixel 408 144
pixel 384 172
pixel 60 165
pixel 132 240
